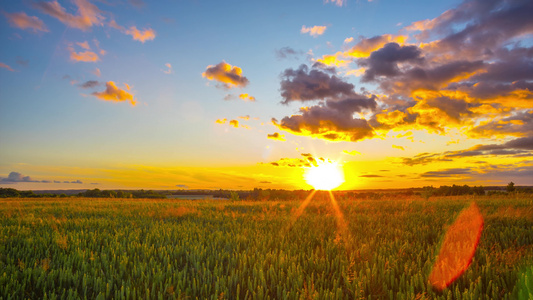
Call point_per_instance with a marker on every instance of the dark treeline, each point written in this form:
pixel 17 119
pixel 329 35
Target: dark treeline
pixel 455 190
pixel 95 193
pixel 259 194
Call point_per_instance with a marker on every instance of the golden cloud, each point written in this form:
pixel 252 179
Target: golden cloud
pixel 230 76
pixel 141 35
pixel 362 49
pixel 353 152
pixel 314 31
pixel 88 14
pixel 2 65
pixel 23 21
pixel 221 121
pixel 234 123
pixel 247 97
pixel 276 136
pixel 113 93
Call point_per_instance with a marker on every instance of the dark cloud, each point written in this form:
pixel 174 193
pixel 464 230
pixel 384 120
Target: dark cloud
pixel 229 76
pixel 183 186
pixel 90 84
pixel 16 177
pixel 276 136
pixel 519 124
pixel 305 84
pixel 384 62
pixel 352 105
pixel 371 176
pixel 307 161
pixel 520 147
pixel 423 159
pixel 265 182
pixel 287 52
pixel 454 108
pixel 448 172
pixel 326 123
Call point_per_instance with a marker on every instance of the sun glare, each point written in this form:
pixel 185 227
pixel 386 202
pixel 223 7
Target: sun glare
pixel 326 176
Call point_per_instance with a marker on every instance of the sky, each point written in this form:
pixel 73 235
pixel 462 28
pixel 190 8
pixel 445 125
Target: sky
pixel 194 94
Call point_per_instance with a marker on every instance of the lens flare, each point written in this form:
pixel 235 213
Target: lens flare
pixel 325 176
pixel 458 249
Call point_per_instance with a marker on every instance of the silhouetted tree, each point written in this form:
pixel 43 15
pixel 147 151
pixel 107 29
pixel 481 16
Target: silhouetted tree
pixel 510 187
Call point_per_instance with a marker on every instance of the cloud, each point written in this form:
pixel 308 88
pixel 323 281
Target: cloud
pixel 23 21
pixel 183 186
pixel 455 172
pixel 16 177
pixel 97 72
pixel 287 52
pixel 384 62
pixel 353 152
pixel 113 93
pixel 85 56
pixel 234 123
pixel 371 176
pixel 229 76
pixel 307 161
pixel 336 2
pixel 221 121
pixel 398 147
pixel 326 123
pixel 3 65
pixel 169 69
pixel 88 14
pixel 276 136
pixel 520 147
pixel 141 35
pixel 348 40
pixel 84 45
pixel 314 31
pixel 90 84
pixel 247 97
pixel 333 119
pixel 305 84
pixel 519 124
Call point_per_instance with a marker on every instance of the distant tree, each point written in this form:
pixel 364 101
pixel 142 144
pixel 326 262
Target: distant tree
pixel 510 187
pixel 8 193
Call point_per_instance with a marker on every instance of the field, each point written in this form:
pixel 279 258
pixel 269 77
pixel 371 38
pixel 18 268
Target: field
pixel 200 249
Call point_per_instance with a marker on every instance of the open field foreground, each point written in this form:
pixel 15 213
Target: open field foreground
pixel 179 249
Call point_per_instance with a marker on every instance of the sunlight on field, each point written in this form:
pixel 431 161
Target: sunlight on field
pixel 339 246
pixel 325 176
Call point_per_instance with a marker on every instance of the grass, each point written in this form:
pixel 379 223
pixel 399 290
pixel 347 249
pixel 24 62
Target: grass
pixel 182 249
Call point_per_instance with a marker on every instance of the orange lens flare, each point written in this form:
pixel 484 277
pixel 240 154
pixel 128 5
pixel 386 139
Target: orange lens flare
pixel 302 207
pixel 341 223
pixel 458 248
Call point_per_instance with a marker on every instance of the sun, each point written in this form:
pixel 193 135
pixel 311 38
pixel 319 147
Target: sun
pixel 325 176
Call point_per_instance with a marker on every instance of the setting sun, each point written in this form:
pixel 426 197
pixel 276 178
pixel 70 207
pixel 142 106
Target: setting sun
pixel 325 176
